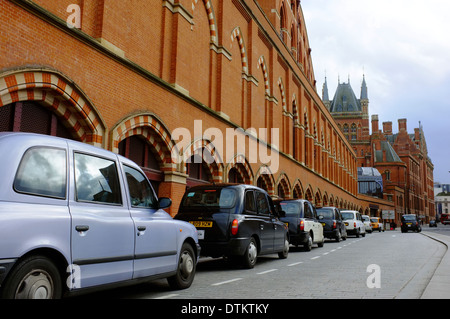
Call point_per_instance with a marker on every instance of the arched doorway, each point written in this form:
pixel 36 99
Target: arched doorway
pixel 197 171
pixel 48 102
pixel 32 117
pixel 139 151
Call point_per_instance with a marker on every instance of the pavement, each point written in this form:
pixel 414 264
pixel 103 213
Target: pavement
pixel 439 285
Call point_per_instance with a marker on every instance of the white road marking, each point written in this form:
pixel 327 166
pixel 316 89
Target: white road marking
pixel 267 271
pixel 226 282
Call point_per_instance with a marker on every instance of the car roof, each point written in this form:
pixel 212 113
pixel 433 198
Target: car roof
pixel 24 138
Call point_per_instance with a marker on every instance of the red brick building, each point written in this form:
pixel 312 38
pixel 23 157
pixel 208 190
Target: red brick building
pixel 401 158
pixel 154 79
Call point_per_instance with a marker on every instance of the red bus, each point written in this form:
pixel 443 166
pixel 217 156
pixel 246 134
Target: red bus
pixel 445 219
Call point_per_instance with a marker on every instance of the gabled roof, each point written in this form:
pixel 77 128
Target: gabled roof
pixel 345 99
pixel 391 155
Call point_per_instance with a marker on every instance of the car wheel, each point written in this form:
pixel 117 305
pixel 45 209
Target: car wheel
pixel 357 233
pixel 284 254
pixel 338 237
pixel 186 269
pixel 308 244
pixel 36 277
pixel 320 245
pixel 250 255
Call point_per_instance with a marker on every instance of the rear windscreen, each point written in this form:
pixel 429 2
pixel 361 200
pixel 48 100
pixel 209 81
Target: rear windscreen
pixel 326 213
pixel 347 215
pixel 214 198
pixel 290 208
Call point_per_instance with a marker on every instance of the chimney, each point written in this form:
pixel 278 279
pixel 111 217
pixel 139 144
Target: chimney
pixel 375 128
pixel 387 128
pixel 402 125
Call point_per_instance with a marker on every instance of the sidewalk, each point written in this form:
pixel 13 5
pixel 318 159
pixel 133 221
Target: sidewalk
pixel 439 285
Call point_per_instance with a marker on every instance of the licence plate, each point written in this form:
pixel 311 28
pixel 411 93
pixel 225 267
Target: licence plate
pixel 346 224
pixel 323 224
pixel 201 224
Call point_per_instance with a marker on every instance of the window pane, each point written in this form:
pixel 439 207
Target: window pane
pixel 141 193
pixel 250 202
pixel 96 179
pixel 261 202
pixel 42 171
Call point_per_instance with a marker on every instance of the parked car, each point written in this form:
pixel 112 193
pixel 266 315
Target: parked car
pixel 70 207
pixel 410 222
pixel 304 226
pixel 433 223
pixel 367 223
pixel 332 222
pixel 353 223
pixel 377 224
pixel 235 220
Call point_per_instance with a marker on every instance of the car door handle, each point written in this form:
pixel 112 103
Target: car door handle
pixel 82 228
pixel 261 227
pixel 141 228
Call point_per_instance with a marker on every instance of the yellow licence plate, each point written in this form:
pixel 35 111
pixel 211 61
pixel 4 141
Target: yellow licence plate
pixel 201 224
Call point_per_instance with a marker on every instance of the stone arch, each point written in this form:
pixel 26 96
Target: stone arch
pixel 297 189
pixel 61 95
pixel 262 64
pixel 211 18
pixel 214 163
pixel 153 131
pixel 284 185
pixel 264 179
pixel 240 163
pixel 237 34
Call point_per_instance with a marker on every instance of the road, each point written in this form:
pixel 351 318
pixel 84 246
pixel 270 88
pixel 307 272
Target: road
pixel 386 265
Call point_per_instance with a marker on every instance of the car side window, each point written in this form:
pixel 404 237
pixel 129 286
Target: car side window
pixel 262 204
pixel 250 205
pixel 96 180
pixel 43 172
pixel 308 211
pixel 141 193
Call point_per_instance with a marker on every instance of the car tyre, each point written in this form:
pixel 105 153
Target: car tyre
pixel 251 254
pixel 284 253
pixel 308 244
pixel 35 277
pixel 338 237
pixel 186 269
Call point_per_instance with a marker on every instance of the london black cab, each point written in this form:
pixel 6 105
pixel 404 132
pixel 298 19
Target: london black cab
pixel 332 222
pixel 304 226
pixel 234 220
pixel 410 222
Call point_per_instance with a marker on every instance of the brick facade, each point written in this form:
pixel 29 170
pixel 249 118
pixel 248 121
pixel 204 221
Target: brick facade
pixel 150 68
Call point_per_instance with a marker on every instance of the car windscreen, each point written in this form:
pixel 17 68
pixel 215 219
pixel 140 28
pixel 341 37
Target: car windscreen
pixel 326 213
pixel 347 215
pixel 214 198
pixel 291 209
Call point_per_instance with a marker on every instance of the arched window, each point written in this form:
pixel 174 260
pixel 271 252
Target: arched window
pixel 30 116
pixel 142 153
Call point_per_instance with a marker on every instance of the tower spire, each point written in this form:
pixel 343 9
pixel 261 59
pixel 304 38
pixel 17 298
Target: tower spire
pixel 364 95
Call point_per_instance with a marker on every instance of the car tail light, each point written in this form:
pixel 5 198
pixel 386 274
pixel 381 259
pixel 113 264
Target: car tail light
pixel 334 224
pixel 301 224
pixel 234 227
pixel 354 224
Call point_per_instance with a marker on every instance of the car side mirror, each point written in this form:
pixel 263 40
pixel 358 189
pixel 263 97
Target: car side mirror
pixel 164 202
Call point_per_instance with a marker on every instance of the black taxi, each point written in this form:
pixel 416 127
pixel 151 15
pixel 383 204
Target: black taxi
pixel 235 220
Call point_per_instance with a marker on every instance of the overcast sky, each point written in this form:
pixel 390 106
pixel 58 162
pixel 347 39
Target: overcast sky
pixel 403 48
